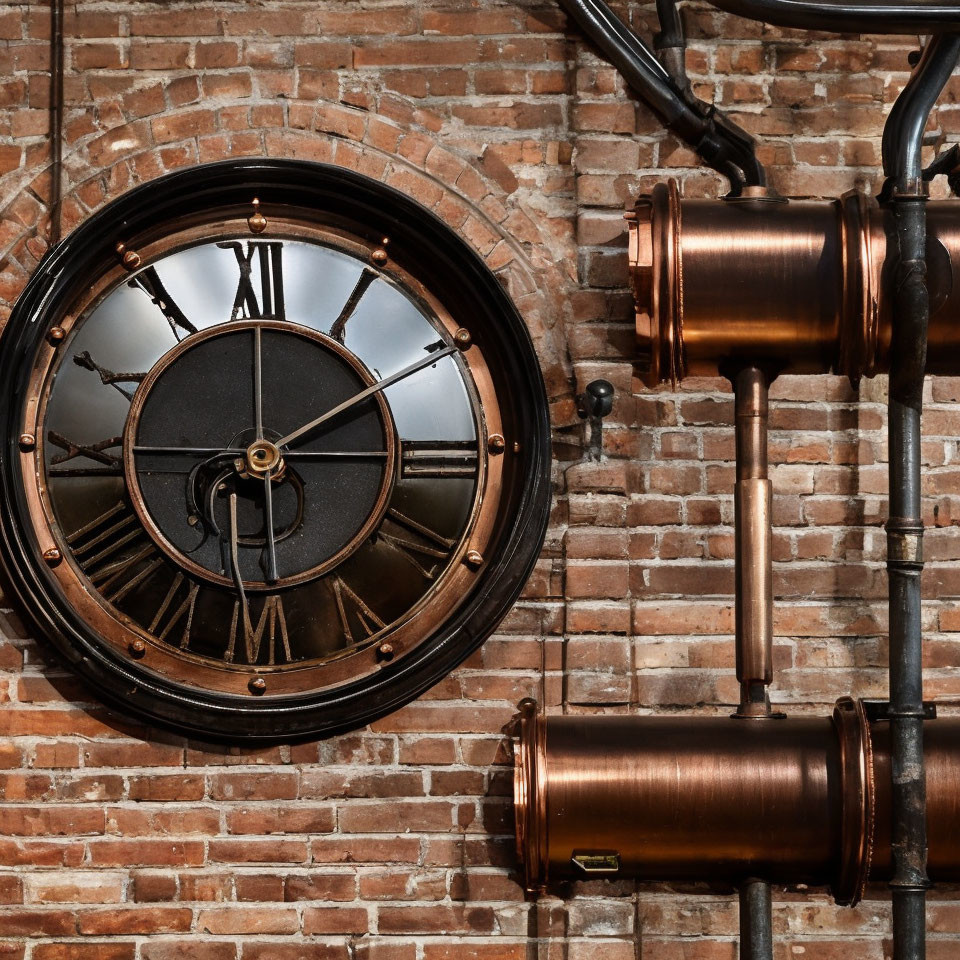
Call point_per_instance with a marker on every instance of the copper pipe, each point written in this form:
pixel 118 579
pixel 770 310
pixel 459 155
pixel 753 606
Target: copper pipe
pixel 754 611
pixel 753 550
pixel 705 798
pixel 795 286
pixel 676 798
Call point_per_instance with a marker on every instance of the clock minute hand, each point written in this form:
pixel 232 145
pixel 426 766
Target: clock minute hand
pixel 369 392
pixel 271 565
pixel 258 381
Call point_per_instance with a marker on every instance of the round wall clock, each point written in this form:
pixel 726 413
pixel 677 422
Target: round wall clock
pixel 276 450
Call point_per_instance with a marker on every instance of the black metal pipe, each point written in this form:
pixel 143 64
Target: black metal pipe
pixel 56 120
pixel 851 16
pixel 756 921
pixel 903 131
pixel 906 190
pixel 721 143
pixel 671 46
pixel 636 62
pixel 671 27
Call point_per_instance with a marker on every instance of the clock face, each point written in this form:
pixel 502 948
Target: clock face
pixel 272 455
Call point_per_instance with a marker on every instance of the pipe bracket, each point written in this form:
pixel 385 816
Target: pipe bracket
pixel 878 710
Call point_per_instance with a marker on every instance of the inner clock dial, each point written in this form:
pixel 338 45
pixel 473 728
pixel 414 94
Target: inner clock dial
pixel 213 482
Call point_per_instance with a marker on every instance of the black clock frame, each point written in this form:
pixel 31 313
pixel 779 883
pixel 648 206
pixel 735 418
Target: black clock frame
pixel 445 264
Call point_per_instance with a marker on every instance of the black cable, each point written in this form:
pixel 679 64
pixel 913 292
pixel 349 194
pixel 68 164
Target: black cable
pixel 56 120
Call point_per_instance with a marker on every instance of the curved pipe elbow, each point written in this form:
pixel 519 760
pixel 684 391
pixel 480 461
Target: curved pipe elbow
pixel 723 145
pixel 903 133
pixel 852 16
pixel 633 58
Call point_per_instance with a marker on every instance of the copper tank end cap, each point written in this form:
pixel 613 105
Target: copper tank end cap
pixel 641 261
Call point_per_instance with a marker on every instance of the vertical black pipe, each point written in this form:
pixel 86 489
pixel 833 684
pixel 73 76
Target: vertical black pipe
pixel 904 567
pixel 756 921
pixel 902 158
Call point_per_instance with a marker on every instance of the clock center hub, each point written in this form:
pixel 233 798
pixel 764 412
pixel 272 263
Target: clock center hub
pixel 263 457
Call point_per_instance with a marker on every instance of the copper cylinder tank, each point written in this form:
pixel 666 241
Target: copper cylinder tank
pixel 800 800
pixel 797 286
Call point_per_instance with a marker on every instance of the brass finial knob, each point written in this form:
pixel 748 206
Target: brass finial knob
pixel 257 222
pixel 129 258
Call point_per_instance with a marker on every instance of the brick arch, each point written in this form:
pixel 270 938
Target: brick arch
pixel 407 156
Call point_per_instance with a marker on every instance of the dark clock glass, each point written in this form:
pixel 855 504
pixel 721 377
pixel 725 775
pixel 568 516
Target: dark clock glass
pixel 272 470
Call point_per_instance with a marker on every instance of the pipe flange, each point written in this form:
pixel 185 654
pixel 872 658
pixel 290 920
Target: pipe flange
pixel 858 801
pixel 529 797
pixel 863 249
pixel 656 278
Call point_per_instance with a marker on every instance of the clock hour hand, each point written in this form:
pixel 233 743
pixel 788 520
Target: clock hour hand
pixel 235 570
pixel 369 392
pixel 271 567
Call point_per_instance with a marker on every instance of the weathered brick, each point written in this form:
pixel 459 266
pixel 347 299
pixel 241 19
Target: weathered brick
pixel 504 120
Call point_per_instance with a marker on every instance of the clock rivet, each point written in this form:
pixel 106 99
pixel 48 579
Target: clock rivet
pixel 56 334
pixel 496 443
pixel 474 559
pixel 257 222
pixel 379 256
pixel 129 258
pixel 462 338
pixel 516 447
pixel 257 685
pixel 137 649
pixel 385 652
pixel 52 556
pixel 27 442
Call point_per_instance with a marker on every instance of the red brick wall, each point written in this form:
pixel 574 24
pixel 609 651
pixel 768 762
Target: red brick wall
pixel 395 843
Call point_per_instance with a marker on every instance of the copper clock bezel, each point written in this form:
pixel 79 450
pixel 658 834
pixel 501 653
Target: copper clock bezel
pixel 122 633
